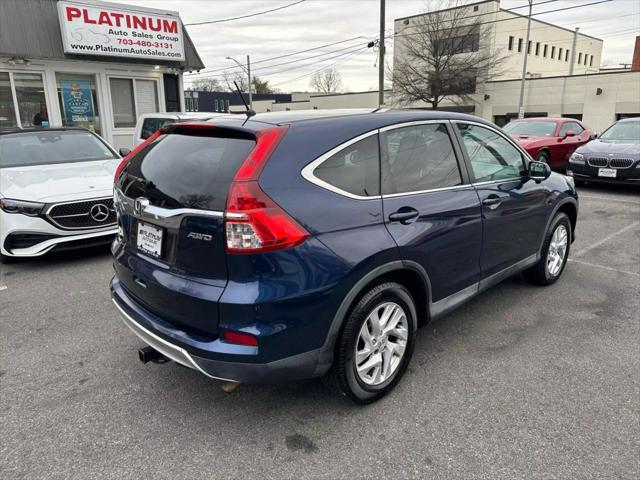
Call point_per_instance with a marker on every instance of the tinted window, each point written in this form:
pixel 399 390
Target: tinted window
pixel 151 125
pixel 51 146
pixel 186 170
pixel 576 128
pixel 418 158
pixel 535 128
pixel 492 156
pixel 354 169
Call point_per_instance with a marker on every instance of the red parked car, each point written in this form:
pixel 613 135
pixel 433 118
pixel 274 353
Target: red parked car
pixel 550 140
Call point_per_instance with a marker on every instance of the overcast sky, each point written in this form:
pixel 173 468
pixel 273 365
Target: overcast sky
pixel 317 22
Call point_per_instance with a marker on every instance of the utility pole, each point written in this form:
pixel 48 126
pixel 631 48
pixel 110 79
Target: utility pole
pixel 381 57
pixel 524 64
pixel 573 50
pixel 249 75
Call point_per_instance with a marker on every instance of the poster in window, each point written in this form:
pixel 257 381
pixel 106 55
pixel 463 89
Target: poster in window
pixel 77 101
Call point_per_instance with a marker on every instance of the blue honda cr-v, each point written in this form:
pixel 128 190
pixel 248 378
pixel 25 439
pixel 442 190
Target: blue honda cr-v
pixel 313 244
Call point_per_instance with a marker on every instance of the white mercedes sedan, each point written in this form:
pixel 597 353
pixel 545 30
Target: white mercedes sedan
pixel 56 191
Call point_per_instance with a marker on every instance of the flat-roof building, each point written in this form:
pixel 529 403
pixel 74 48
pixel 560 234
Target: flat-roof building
pixel 552 50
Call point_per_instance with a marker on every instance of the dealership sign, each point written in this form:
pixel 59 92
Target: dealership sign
pixel 95 28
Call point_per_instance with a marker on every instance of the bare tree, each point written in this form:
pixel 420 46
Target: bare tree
pixel 239 77
pixel 207 85
pixel 327 81
pixel 444 53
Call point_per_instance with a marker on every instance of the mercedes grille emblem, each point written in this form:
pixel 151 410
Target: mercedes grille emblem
pixel 99 212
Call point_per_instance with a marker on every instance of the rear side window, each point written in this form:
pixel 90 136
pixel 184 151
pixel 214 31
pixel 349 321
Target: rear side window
pixel 355 169
pixel 188 171
pixel 152 125
pixel 418 158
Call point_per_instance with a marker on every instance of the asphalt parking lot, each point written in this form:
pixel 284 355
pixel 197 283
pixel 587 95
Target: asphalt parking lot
pixel 522 382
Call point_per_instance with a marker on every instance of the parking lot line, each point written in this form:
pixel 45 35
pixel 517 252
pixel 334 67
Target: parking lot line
pixel 604 267
pixel 3 287
pixel 608 199
pixel 606 239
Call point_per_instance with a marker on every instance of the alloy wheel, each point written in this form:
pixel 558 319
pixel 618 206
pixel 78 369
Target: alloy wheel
pixel 381 343
pixel 557 250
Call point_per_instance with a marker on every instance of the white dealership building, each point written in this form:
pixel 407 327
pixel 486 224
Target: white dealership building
pixel 91 64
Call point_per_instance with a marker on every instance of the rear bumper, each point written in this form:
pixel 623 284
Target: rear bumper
pixel 213 358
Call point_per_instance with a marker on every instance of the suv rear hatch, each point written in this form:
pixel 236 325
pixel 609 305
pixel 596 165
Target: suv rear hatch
pixel 171 196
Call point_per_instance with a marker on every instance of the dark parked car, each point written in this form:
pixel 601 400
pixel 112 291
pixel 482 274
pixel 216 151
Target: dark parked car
pixel 310 244
pixel 612 158
pixel 550 140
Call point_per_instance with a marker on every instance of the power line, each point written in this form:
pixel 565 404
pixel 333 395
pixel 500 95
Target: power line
pixel 244 16
pixel 286 55
pixel 320 69
pixel 512 18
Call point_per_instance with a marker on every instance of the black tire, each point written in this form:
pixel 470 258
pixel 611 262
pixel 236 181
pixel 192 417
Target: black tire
pixel 543 157
pixel 343 377
pixel 539 274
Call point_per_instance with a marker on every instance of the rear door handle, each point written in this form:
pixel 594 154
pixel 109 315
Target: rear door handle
pixel 492 202
pixel 404 215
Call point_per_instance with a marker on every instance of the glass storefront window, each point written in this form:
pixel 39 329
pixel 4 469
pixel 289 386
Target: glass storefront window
pixel 78 100
pixel 29 98
pixel 7 109
pixel 131 98
pixel 32 106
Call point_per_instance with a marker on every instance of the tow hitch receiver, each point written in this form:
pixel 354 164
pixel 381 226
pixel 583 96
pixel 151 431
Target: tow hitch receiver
pixel 149 354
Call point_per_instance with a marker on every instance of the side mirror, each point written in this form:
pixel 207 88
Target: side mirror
pixel 570 133
pixel 594 135
pixel 539 171
pixel 124 152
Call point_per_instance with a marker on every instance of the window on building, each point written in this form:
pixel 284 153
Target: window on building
pixel 131 98
pixel 215 105
pixel 196 108
pixel 586 57
pixel 591 61
pixel 355 169
pixel 32 106
pixel 492 156
pixel 29 99
pixel 226 106
pixel 560 53
pixel 418 158
pixel 7 108
pixel 78 100
pixel 529 48
pixel 579 58
pixel 566 55
pixel 464 42
pixel 510 42
pixel 519 45
pixel 537 49
pixel 544 52
pixel 553 53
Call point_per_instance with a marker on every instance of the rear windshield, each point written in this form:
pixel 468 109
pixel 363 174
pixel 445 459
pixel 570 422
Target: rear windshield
pixel 533 128
pixel 53 146
pixel 187 171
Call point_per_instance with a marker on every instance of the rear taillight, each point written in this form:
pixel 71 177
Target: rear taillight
pixel 254 223
pixel 133 152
